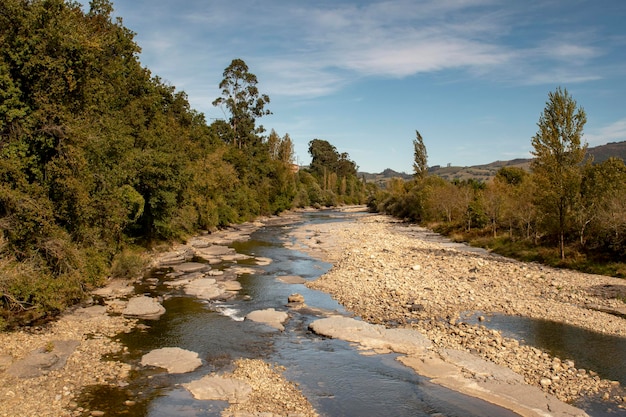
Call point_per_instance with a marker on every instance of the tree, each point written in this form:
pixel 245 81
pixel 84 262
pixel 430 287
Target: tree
pixel 324 157
pixel 558 154
pixel 603 205
pixel 241 97
pixel 286 150
pixel 420 164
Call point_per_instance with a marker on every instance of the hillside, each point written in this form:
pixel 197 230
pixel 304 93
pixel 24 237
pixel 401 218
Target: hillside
pixel 486 172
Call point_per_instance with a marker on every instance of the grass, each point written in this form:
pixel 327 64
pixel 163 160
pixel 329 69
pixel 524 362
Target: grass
pixel 525 250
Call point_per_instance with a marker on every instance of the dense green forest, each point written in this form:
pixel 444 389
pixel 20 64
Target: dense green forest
pixel 100 159
pixel 567 211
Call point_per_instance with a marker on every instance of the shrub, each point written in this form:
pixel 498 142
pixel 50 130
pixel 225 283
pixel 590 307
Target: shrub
pixel 128 264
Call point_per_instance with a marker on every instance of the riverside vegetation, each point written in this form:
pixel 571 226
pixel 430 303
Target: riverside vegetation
pixel 566 212
pixel 101 160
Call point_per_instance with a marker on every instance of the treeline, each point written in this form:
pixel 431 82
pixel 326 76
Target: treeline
pixel 98 156
pixel 568 211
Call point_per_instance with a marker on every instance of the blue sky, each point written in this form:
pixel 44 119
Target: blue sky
pixel 472 76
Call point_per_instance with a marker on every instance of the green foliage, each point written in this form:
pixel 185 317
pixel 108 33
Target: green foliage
pixel 96 154
pixel 336 174
pixel 241 97
pixel 567 212
pixel 420 157
pixel 128 264
pixel 558 154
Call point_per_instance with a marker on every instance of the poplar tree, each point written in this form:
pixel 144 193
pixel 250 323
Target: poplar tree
pixel 420 164
pixel 557 166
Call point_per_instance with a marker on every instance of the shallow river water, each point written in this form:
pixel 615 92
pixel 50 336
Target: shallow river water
pixel 333 375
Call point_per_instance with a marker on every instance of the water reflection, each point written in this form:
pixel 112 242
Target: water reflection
pixel 336 378
pixel 602 353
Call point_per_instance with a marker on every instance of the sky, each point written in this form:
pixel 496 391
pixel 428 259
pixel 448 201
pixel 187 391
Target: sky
pixel 472 76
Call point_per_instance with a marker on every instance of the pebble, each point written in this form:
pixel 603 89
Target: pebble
pixel 433 297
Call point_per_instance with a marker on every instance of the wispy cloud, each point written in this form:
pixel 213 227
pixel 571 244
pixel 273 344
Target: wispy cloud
pixel 311 49
pixel 614 132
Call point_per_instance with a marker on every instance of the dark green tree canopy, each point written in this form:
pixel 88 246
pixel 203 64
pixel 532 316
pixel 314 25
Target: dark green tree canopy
pixel 511 175
pixel 98 155
pixel 326 160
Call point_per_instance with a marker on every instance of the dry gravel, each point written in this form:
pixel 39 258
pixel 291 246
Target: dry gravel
pixel 272 395
pixel 385 272
pixel 53 393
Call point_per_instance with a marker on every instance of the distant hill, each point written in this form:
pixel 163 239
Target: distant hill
pixel 488 171
pixel 611 149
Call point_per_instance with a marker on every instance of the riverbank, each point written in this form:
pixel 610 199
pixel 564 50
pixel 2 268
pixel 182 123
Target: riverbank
pixel 387 273
pixel 384 271
pixel 45 369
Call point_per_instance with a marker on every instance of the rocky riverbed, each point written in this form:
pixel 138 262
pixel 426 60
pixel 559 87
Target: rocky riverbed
pixel 44 369
pixel 386 272
pixel 391 273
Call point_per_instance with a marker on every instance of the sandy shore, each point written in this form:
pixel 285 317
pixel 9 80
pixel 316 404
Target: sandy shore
pixel 387 273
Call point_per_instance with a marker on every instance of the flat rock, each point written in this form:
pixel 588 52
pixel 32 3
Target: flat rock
pixel 231 285
pixel 174 257
pixel 270 317
pixel 371 336
pixel 177 283
pixel 240 270
pixel 115 288
pixel 144 307
pixel 215 253
pixel 480 367
pixel 235 257
pixel 262 261
pixel 205 288
pixel 5 360
pixel 291 279
pixel 188 267
pixel 42 360
pixel 174 359
pixel 491 383
pixel 89 312
pixel 213 387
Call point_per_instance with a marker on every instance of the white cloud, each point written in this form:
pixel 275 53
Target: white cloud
pixel 311 49
pixel 614 132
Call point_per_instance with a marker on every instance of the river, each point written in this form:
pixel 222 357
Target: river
pixel 335 377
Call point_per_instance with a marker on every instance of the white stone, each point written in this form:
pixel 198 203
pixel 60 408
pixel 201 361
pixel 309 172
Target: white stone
pixel 270 317
pixel 144 307
pixel 213 387
pixel 174 359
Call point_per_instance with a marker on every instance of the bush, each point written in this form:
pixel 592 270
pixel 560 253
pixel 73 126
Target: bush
pixel 30 293
pixel 128 264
